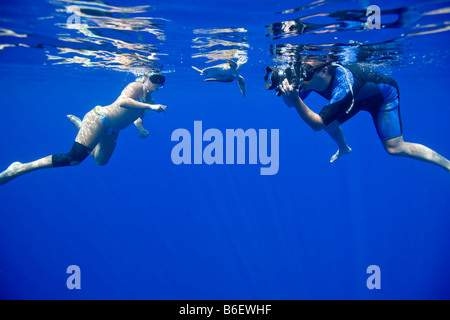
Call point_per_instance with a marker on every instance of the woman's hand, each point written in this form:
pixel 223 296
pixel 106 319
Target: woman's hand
pixel 143 133
pixel 158 107
pixel 289 93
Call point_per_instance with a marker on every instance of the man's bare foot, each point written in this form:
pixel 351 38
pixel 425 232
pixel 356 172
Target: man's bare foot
pixel 339 153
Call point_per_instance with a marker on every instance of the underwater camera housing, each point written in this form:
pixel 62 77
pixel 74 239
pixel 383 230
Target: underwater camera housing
pixel 295 73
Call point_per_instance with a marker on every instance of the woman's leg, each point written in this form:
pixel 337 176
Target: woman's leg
pixel 104 149
pixel 398 147
pixel 17 169
pixel 90 133
pixel 91 130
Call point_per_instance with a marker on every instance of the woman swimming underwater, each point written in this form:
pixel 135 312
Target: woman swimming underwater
pixel 99 129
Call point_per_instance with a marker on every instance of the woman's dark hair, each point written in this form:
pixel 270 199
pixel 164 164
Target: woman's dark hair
pixel 157 78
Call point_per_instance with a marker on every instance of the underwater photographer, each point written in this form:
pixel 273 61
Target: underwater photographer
pixel 349 90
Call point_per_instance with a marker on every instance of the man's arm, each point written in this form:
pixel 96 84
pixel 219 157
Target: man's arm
pixel 291 98
pixel 310 117
pixel 315 121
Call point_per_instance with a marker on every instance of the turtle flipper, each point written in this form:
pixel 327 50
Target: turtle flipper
pixel 233 64
pixel 220 80
pixel 197 69
pixel 241 82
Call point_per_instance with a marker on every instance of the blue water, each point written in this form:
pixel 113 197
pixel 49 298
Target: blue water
pixel 142 227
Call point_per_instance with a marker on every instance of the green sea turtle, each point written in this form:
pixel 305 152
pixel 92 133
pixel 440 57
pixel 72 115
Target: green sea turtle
pixel 225 72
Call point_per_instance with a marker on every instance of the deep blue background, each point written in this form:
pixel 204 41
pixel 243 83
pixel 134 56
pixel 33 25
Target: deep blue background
pixel 144 228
